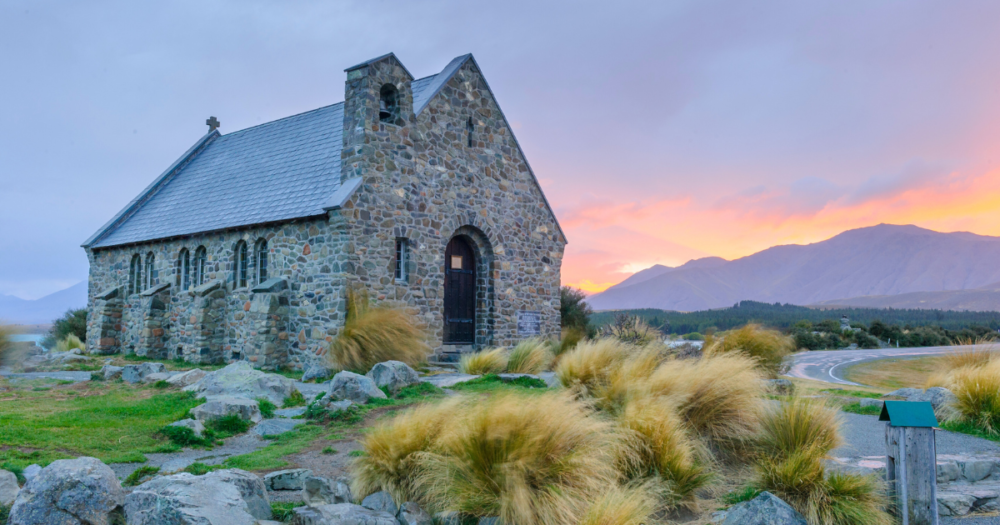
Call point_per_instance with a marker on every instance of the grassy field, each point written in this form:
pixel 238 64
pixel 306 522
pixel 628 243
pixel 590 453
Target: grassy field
pixel 894 373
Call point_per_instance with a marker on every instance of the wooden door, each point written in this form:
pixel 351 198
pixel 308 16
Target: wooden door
pixel 459 293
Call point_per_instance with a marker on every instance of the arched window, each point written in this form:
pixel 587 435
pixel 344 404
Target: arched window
pixel 184 270
pixel 200 258
pixel 150 271
pixel 260 261
pixel 240 266
pixel 134 275
pixel 388 104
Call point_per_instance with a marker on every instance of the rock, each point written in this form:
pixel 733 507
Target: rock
pixel 550 379
pixel 316 371
pixel 290 412
pixel 30 472
pixel 196 426
pixel 187 378
pixel 393 375
pixel 411 514
pixel 954 503
pixel 488 521
pixel 135 373
pixel 780 387
pixel 329 402
pixel 221 406
pixel 81 491
pixel 904 392
pixel 242 380
pixel 447 380
pixel 354 387
pixel 940 398
pixel 322 491
pixel 8 488
pixel 110 372
pixel 766 509
pixel 948 471
pixel 341 514
pixel 290 479
pixel 273 427
pixel 974 470
pixel 161 376
pixel 869 402
pixel 217 498
pixel 380 501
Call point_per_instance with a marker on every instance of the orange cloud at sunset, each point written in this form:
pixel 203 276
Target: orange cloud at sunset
pixel 610 242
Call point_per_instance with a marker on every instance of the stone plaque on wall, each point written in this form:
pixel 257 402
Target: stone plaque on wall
pixel 529 323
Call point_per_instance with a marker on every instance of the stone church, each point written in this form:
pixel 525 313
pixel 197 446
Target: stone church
pixel 414 189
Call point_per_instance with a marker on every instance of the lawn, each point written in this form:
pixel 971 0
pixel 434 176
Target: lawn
pixel 114 422
pixel 894 373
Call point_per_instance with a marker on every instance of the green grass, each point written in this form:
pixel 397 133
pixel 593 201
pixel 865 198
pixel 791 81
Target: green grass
pixel 109 421
pixel 855 408
pixel 282 510
pixel 852 393
pixel 294 400
pixel 492 382
pixel 272 456
pixel 418 391
pixel 965 427
pixel 266 407
pixel 357 453
pixel 740 495
pixel 136 476
pixel 199 469
pixel 227 426
pixel 329 450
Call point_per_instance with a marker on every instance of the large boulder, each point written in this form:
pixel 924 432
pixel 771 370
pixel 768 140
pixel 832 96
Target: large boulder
pixel 942 399
pixel 81 491
pixel 136 373
pixel 322 491
pixel 221 406
pixel 380 501
pixel 290 479
pixel 411 514
pixel 8 488
pixel 393 375
pixel 766 509
pixel 316 371
pixel 354 387
pixel 222 497
pixel 187 378
pixel 242 380
pixel 196 426
pixel 341 514
pixel 110 372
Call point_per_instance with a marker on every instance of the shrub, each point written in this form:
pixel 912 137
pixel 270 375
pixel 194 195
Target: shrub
pixel 73 322
pixel 391 451
pixel 296 399
pixel 768 347
pixel 977 393
pixel 228 425
pixel 795 425
pixel 372 335
pixel 199 469
pixel 570 337
pixel 574 312
pixel 589 364
pixel 70 342
pixel 266 407
pixel 530 356
pixel 485 362
pixel 136 476
pixel 629 329
pixel 538 459
pixel 619 506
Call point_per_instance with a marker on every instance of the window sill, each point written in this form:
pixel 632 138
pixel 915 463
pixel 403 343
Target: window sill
pixel 402 282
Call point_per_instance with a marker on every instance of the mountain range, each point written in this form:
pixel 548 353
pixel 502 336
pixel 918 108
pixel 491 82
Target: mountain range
pixel 44 310
pixel 879 266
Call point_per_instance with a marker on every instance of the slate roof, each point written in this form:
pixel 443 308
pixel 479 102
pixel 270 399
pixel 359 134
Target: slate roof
pixel 281 170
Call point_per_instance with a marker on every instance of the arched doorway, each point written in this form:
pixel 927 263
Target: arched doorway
pixel 459 292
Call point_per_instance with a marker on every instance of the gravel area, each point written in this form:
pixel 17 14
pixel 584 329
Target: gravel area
pixel 174 461
pixel 865 436
pixel 76 377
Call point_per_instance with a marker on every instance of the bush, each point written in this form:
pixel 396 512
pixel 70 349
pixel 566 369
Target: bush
pixel 485 362
pixel 574 312
pixel 372 335
pixel 266 407
pixel 70 342
pixel 230 425
pixel 538 459
pixel 392 451
pixel 296 399
pixel 590 363
pixel 630 329
pixel 621 507
pixel 977 392
pixel 530 356
pixel 768 347
pixel 73 322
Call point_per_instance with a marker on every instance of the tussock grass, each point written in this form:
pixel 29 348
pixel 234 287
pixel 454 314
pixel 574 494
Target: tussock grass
pixel 392 450
pixel 977 392
pixel 372 335
pixel 538 459
pixel 591 362
pixel 70 342
pixel 797 425
pixel 621 506
pixel 570 337
pixel 530 356
pixel 486 362
pixel 768 347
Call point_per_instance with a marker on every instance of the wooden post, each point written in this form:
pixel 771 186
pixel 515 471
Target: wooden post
pixel 911 473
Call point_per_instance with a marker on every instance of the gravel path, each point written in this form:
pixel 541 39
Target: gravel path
pixel 865 436
pixel 828 365
pixel 76 377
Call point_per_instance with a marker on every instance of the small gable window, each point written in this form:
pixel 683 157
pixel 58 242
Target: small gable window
pixel 402 258
pixel 135 274
pixel 240 266
pixel 200 258
pixel 184 270
pixel 388 104
pixel 150 271
pixel 260 260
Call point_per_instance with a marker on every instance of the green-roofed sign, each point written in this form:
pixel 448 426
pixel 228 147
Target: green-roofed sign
pixel 908 414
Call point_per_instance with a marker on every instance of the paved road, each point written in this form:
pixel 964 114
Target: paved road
pixel 865 436
pixel 829 365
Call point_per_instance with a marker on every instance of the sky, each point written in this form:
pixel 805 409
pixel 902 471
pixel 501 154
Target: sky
pixel 659 131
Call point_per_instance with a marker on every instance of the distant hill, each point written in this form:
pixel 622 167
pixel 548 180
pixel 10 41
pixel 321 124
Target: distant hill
pixel 883 260
pixel 659 269
pixel 15 310
pixel 975 300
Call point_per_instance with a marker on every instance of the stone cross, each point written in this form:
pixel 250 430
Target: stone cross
pixel 213 124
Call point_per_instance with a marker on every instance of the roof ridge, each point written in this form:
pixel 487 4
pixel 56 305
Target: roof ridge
pixel 262 124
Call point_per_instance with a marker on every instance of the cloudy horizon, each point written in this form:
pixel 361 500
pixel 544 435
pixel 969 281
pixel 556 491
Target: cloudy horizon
pixel 660 132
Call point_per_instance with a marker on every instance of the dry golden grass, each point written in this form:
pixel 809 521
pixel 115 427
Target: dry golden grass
pixel 625 377
pixel 372 335
pixel 530 356
pixel 891 374
pixel 570 337
pixel 621 506
pixel 392 450
pixel 486 362
pixel 977 392
pixel 70 342
pixel 796 425
pixel 588 365
pixel 526 459
pixel 719 397
pixel 768 347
